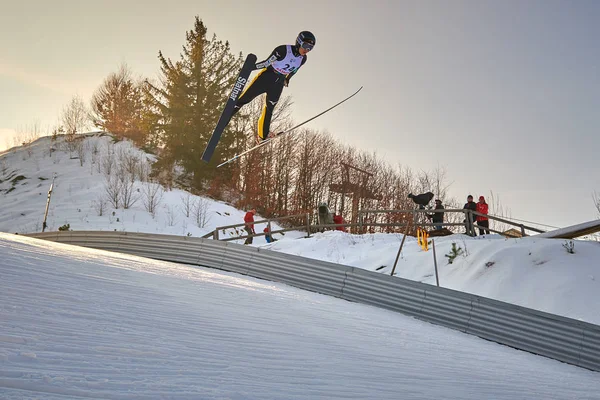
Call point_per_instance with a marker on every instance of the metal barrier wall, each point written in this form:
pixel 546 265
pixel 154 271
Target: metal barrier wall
pixel 564 339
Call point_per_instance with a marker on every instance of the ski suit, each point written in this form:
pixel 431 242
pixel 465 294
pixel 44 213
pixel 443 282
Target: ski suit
pixel 277 70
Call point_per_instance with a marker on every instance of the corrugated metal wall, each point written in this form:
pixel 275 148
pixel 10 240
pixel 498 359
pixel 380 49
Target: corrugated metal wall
pixel 564 339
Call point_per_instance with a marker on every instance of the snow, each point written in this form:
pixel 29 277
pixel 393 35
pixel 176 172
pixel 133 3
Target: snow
pixel 533 272
pixel 81 323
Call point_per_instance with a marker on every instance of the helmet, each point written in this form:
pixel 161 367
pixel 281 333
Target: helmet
pixel 306 40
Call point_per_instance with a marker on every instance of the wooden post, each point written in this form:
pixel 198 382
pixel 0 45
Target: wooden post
pixel 469 226
pixel 360 223
pixel 522 230
pixel 308 224
pixel 437 279
pixel 400 249
pixel 216 234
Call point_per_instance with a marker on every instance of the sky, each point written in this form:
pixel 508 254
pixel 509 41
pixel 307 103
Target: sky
pixel 84 323
pixel 532 272
pixel 503 95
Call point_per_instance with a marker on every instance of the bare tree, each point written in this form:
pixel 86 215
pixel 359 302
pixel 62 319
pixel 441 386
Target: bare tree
pixel 99 205
pixel 440 186
pixel 108 161
pixel 171 215
pixel 129 196
pixel 153 193
pixel 73 144
pixel 496 208
pixel 28 134
pixel 112 188
pixel 187 203
pixel 94 151
pixel 125 170
pixel 314 170
pixel 82 149
pixel 74 119
pixel 75 116
pixel 129 163
pixel 144 170
pixel 283 173
pixel 200 208
pixel 7 142
pixel 117 105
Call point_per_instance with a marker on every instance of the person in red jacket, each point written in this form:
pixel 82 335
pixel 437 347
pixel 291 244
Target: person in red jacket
pixel 249 227
pixel 339 220
pixel 482 222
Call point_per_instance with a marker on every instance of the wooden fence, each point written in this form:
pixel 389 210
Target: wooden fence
pixel 416 218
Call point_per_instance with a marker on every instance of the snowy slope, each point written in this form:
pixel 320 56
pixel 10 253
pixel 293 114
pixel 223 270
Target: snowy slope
pixel 532 272
pixel 26 174
pixel 86 324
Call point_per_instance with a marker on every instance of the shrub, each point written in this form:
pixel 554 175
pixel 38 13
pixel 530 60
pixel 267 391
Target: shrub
pixel 569 246
pixel 65 227
pixel 454 252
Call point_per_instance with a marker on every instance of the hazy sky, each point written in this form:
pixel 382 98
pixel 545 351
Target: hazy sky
pixel 505 95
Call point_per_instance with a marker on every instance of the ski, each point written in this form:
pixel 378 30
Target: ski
pixel 280 134
pixel 238 88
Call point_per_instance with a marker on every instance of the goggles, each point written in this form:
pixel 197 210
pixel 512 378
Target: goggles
pixel 307 46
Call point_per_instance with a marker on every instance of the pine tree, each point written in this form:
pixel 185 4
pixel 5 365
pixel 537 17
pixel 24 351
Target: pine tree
pixel 189 100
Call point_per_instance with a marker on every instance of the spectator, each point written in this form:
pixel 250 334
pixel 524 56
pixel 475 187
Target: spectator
pixel 325 216
pixel 483 222
pixel 268 236
pixel 339 220
pixel 249 227
pixel 438 217
pixel 472 206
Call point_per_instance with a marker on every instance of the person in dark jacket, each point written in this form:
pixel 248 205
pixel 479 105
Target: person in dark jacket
pixel 249 227
pixel 438 217
pixel 482 222
pixel 325 215
pixel 470 205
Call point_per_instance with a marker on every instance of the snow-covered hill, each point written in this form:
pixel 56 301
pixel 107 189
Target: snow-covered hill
pixel 85 184
pixel 533 272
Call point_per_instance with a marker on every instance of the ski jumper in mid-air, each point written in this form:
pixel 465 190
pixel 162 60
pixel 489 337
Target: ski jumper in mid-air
pixel 277 70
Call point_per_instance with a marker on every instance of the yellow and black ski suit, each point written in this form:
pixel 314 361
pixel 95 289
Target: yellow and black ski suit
pixel 277 70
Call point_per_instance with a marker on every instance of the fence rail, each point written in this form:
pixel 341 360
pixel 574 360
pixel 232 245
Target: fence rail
pixel 363 225
pixel 564 339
